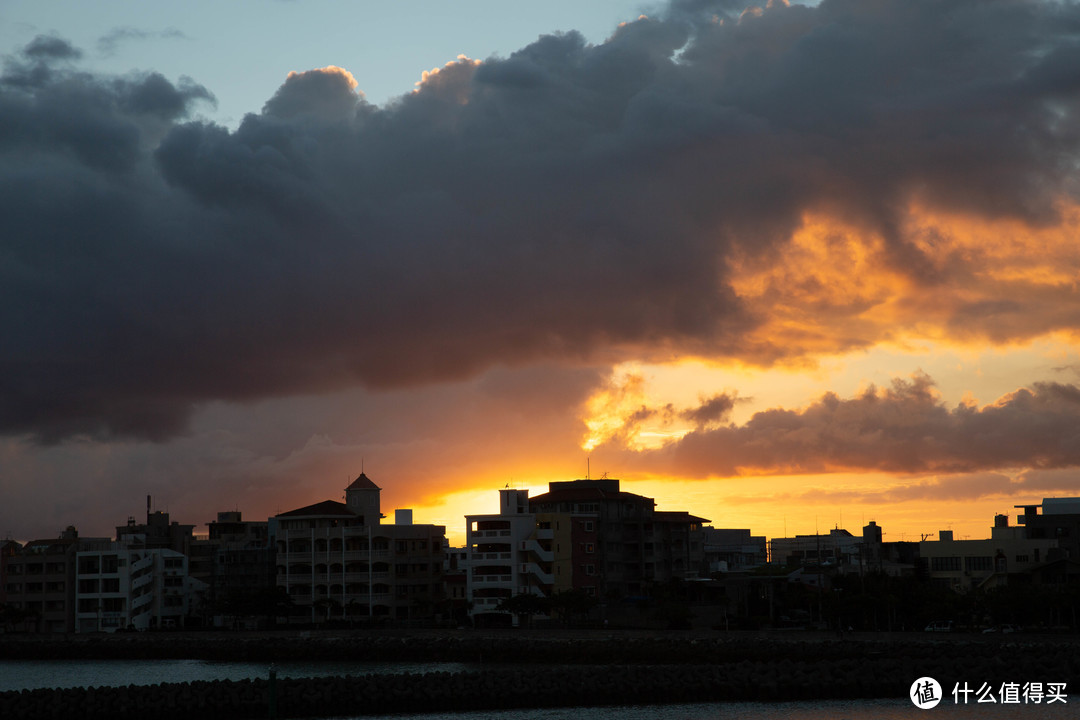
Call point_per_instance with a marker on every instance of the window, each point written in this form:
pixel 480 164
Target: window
pixel 590 569
pixel 978 564
pixel 945 564
pixel 589 548
pixel 588 526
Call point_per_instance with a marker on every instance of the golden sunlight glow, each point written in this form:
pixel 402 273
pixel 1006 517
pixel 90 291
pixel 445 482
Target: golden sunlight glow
pixel 332 70
pixel 788 505
pixel 432 75
pixel 450 509
pixel 623 411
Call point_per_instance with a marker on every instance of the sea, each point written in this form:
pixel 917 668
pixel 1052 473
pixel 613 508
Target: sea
pixel 33 674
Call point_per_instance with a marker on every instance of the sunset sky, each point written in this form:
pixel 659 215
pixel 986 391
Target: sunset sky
pixel 788 268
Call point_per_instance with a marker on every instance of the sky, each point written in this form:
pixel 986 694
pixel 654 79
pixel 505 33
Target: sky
pixel 789 267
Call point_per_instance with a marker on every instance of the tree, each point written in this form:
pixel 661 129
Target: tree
pixel 524 606
pixel 570 603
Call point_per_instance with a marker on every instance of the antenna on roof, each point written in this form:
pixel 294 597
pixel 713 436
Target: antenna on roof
pixel 587 468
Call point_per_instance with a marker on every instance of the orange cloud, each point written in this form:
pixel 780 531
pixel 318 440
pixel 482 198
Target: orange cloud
pixel 834 287
pixel 905 428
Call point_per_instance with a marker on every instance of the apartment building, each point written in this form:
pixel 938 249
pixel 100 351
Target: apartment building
pixel 508 553
pixel 1059 520
pixel 124 585
pixel 338 561
pixel 965 564
pixel 733 550
pixel 626 541
pixel 582 535
pixel 238 558
pixel 39 580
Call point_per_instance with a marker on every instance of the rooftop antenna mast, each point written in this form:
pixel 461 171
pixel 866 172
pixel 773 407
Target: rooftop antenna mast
pixel 588 469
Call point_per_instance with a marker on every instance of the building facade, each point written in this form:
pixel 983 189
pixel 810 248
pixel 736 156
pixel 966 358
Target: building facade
pixel 39 582
pixel 629 544
pixel 967 564
pixel 585 536
pixel 337 561
pixel 124 585
pixel 1059 520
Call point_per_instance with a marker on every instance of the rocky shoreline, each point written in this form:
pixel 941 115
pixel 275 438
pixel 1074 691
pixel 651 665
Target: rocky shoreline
pixel 533 671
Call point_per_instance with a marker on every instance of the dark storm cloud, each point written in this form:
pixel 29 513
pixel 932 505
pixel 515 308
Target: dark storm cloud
pixel 904 428
pixel 571 201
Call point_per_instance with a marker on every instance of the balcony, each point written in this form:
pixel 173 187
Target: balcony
pixel 533 570
pixel 534 548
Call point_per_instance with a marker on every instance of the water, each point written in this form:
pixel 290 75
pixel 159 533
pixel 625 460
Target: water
pixel 31 674
pixel 34 674
pixel 816 710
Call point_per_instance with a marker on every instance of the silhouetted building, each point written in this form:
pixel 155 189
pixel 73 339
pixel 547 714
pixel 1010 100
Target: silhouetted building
pixel 157 532
pixel 239 562
pixel 634 545
pixel 732 550
pixel 340 562
pixel 40 582
pixel 837 548
pixel 1060 521
pixel 965 564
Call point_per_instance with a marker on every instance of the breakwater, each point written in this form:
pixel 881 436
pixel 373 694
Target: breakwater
pixel 538 672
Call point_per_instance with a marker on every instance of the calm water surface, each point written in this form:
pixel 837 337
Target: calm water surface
pixel 818 710
pixel 32 674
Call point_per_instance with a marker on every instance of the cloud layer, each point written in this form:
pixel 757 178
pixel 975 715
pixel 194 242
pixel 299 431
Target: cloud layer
pixel 904 429
pixel 571 202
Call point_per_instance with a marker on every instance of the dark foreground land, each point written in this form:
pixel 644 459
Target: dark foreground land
pixel 521 669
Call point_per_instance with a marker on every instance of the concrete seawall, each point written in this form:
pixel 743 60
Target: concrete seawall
pixel 533 672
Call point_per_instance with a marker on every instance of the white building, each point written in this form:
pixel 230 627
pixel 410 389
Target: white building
pixel 339 562
pixel 508 554
pixel 123 585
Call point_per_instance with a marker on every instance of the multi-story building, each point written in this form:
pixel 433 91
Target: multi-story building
pixel 509 553
pixel 733 550
pixel 1060 520
pixel 634 545
pixel 582 535
pixel 39 581
pixel 964 564
pixel 240 562
pixel 340 562
pixel 158 531
pixel 126 585
pixel 838 547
